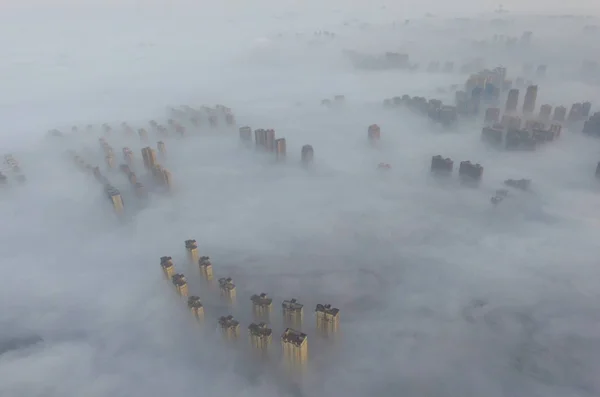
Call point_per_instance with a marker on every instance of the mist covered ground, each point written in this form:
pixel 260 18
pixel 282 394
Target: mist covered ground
pixel 441 293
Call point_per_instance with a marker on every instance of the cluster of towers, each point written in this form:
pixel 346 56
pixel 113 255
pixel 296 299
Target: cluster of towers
pixel 140 190
pixel 509 131
pixel 579 111
pixel 196 117
pixel 294 343
pixel 111 192
pixel 265 140
pixel 179 120
pixel 13 165
pixel 433 108
pixel 467 171
pixel 161 175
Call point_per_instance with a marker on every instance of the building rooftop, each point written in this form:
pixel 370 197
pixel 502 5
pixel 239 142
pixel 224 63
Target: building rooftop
pixel 226 283
pixel 191 244
pixel 178 279
pixel 194 302
pixel 228 322
pixel 327 309
pixel 166 261
pixel 204 261
pixel 262 299
pixel 112 191
pixel 260 329
pixel 292 304
pixel 292 336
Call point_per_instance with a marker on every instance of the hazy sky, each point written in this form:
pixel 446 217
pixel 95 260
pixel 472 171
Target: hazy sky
pixel 433 6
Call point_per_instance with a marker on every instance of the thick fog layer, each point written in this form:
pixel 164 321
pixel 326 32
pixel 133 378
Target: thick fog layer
pixel 441 292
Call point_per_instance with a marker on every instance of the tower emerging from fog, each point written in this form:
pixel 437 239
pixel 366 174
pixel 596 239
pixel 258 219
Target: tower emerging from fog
pixel 261 306
pixel 166 263
pixel 292 313
pixel 530 98
pixel 191 246
pixel 280 148
pixel 115 198
pixel 295 348
pixel 327 319
pixel 270 140
pixel 230 327
pixel 196 307
pixel 227 288
pixel 206 268
pixel 545 112
pixel 149 157
pixel 307 154
pixel 513 100
pixel 560 113
pixel 260 336
pixel 180 284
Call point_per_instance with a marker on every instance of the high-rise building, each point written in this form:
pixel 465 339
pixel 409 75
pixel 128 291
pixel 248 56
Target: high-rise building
pixel 260 137
pixel 512 101
pixel 260 336
pixel 168 267
pixel 545 112
pixel 530 98
pixel 262 305
pixel 115 198
pixel 292 313
pixel 227 288
pixel 196 306
pixel 180 284
pixel 191 246
pixel 206 268
pixel 560 114
pixel 327 319
pixel 585 110
pixel 230 327
pixel 575 112
pixel 280 148
pixel 295 347
pixel 307 154
pixel 270 140
pixel 374 132
pixel 149 157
